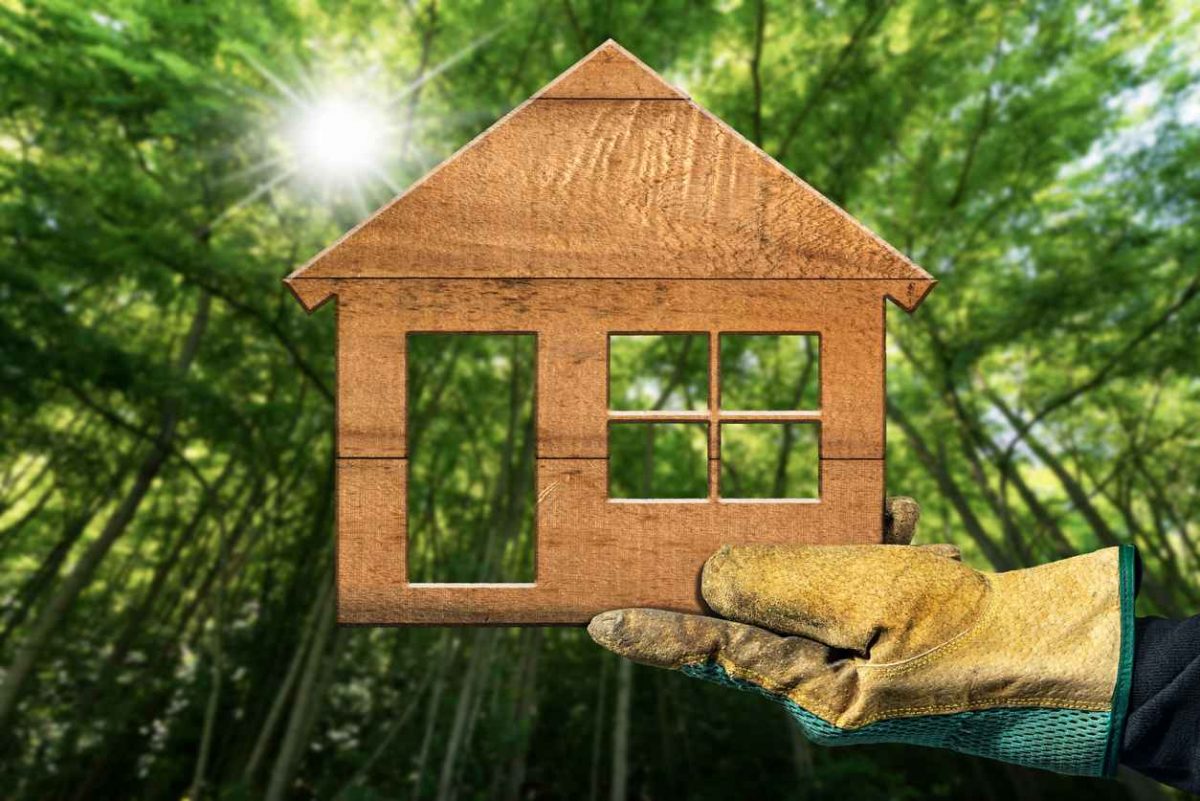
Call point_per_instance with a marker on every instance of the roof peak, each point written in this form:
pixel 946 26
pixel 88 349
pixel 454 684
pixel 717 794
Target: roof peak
pixel 533 196
pixel 610 72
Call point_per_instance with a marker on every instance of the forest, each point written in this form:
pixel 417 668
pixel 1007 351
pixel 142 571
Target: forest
pixel 167 626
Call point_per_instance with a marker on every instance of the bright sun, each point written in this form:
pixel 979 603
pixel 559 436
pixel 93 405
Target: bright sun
pixel 339 139
pixel 336 133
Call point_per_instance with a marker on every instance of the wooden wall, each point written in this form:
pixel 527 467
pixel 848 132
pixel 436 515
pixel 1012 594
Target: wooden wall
pixel 593 553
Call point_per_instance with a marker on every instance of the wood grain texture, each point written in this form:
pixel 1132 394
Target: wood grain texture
pixel 311 292
pixel 610 71
pixel 370 382
pixel 853 378
pixel 372 540
pixel 609 203
pixel 612 188
pixel 574 317
pixel 592 554
pixel 572 388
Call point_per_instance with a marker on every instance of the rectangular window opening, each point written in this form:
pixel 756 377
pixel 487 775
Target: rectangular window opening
pixel 658 461
pixel 770 460
pixel 658 372
pixel 471 458
pixel 775 372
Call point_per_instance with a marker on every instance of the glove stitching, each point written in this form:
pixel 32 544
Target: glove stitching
pixel 1058 703
pixel 806 702
pixel 944 649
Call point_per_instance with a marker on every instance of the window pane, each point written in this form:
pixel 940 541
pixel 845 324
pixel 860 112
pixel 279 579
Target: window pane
pixel 658 371
pixel 471 457
pixel 770 460
pixel 770 372
pixel 658 460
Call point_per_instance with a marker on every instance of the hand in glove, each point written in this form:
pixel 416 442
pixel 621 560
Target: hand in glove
pixel 900 644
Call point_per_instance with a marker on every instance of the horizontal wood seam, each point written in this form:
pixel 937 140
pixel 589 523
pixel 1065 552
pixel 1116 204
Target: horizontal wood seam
pixel 602 278
pixel 613 99
pixel 376 458
pixel 853 459
pixel 605 458
pixel 723 416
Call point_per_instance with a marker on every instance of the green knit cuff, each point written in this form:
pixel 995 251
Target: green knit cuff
pixel 1127 575
pixel 1061 740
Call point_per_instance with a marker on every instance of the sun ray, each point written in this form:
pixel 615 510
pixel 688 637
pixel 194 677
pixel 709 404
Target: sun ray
pixel 273 79
pixel 254 194
pixel 335 132
pixel 254 169
pixel 387 181
pixel 450 62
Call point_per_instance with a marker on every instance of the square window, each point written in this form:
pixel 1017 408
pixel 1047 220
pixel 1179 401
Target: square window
pixel 770 372
pixel 658 460
pixel 651 372
pixel 770 460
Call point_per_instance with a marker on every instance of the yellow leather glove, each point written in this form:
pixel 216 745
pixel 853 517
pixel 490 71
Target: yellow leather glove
pixel 891 643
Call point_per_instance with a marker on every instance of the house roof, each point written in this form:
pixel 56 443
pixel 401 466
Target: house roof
pixel 611 172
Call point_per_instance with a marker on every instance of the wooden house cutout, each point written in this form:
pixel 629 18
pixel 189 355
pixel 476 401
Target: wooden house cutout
pixel 607 203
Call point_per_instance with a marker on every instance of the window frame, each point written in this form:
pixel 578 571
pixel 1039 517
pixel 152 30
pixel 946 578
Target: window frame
pixel 714 416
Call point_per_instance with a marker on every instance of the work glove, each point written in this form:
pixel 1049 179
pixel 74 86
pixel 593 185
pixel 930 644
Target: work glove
pixel 901 644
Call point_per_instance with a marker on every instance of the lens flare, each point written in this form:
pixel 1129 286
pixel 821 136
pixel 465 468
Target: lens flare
pixel 338 132
pixel 339 138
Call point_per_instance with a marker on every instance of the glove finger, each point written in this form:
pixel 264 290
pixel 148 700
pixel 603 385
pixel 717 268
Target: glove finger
pixel 900 517
pixel 878 602
pixel 673 640
pixel 943 549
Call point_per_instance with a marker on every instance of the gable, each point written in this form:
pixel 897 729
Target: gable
pixel 607 73
pixel 611 173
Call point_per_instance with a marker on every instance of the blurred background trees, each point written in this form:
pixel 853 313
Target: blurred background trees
pixel 166 628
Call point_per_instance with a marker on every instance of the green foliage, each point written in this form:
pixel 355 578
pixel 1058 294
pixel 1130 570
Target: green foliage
pixel 658 460
pixel 471 457
pixel 650 372
pixel 770 460
pixel 166 409
pixel 775 372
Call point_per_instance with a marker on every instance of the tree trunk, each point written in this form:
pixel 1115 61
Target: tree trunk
pixel 802 756
pixel 598 729
pixel 214 696
pixel 396 726
pixel 275 714
pixel 480 651
pixel 136 619
pixel 619 789
pixel 307 699
pixel 524 711
pixel 9 534
pixel 1079 497
pixel 435 698
pixel 941 473
pixel 46 572
pixel 55 610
